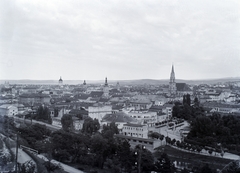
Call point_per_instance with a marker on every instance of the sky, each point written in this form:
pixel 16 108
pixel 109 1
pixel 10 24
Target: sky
pixel 119 39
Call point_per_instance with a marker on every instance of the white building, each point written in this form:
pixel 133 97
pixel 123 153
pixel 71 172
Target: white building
pixel 8 110
pixel 135 130
pixel 144 116
pixel 167 109
pixel 98 111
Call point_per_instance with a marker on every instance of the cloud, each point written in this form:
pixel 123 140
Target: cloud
pixel 121 39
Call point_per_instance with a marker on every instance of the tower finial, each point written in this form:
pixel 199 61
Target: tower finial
pixel 172 68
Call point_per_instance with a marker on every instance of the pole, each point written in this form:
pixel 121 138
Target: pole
pixel 16 165
pixel 139 160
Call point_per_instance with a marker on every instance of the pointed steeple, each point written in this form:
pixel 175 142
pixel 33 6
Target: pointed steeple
pixel 172 68
pixel 172 77
pixel 172 83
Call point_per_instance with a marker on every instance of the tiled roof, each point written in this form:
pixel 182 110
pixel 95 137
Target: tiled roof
pixel 96 94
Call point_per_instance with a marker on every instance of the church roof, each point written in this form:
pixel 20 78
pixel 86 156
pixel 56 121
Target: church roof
pixel 182 87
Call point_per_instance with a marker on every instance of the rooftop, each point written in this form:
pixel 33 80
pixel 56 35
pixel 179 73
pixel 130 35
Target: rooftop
pixel 118 117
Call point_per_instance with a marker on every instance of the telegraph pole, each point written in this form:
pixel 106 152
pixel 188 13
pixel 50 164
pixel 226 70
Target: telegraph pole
pixel 16 165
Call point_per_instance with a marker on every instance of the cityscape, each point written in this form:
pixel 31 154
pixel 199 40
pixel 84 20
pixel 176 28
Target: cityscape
pixel 119 86
pixel 120 128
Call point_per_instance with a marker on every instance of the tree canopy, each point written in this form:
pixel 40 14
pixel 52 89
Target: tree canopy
pixel 67 122
pixel 90 126
pixel 43 113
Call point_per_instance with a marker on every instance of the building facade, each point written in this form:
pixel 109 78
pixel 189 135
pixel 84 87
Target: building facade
pixel 8 110
pixel 135 130
pixel 99 111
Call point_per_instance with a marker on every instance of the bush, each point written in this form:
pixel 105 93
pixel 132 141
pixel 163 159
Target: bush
pixel 38 161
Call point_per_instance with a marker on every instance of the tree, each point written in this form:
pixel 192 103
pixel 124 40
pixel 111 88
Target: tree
pixel 125 155
pixel 100 149
pixel 196 102
pixel 53 167
pixel 163 164
pixel 67 122
pixel 206 169
pixel 109 130
pixel 201 127
pixel 55 112
pixel 60 145
pixel 188 99
pixel 184 171
pixel 90 126
pixel 144 158
pixel 161 137
pixel 43 113
pixel 147 160
pixel 184 99
pixel 34 133
pixel 27 167
pixel 232 167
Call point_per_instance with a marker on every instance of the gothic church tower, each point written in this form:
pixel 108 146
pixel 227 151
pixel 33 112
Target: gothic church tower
pixel 172 83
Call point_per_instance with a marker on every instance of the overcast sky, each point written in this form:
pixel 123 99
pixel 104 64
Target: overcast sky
pixel 125 39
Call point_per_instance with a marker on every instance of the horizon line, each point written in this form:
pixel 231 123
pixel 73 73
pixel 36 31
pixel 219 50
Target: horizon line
pixel 115 79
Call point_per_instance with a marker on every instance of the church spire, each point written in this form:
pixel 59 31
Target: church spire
pixel 172 83
pixel 172 77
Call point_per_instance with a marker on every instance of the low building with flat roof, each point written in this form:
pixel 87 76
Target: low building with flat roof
pixel 135 130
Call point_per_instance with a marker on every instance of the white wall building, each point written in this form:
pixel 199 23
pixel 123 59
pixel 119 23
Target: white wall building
pixel 8 110
pixel 135 130
pixel 99 111
pixel 144 116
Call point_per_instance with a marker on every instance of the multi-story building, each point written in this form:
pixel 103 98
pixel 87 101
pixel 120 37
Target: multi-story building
pixel 144 117
pixel 167 109
pixel 34 98
pixel 135 130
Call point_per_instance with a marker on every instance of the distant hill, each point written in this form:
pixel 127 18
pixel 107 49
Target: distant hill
pixel 121 82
